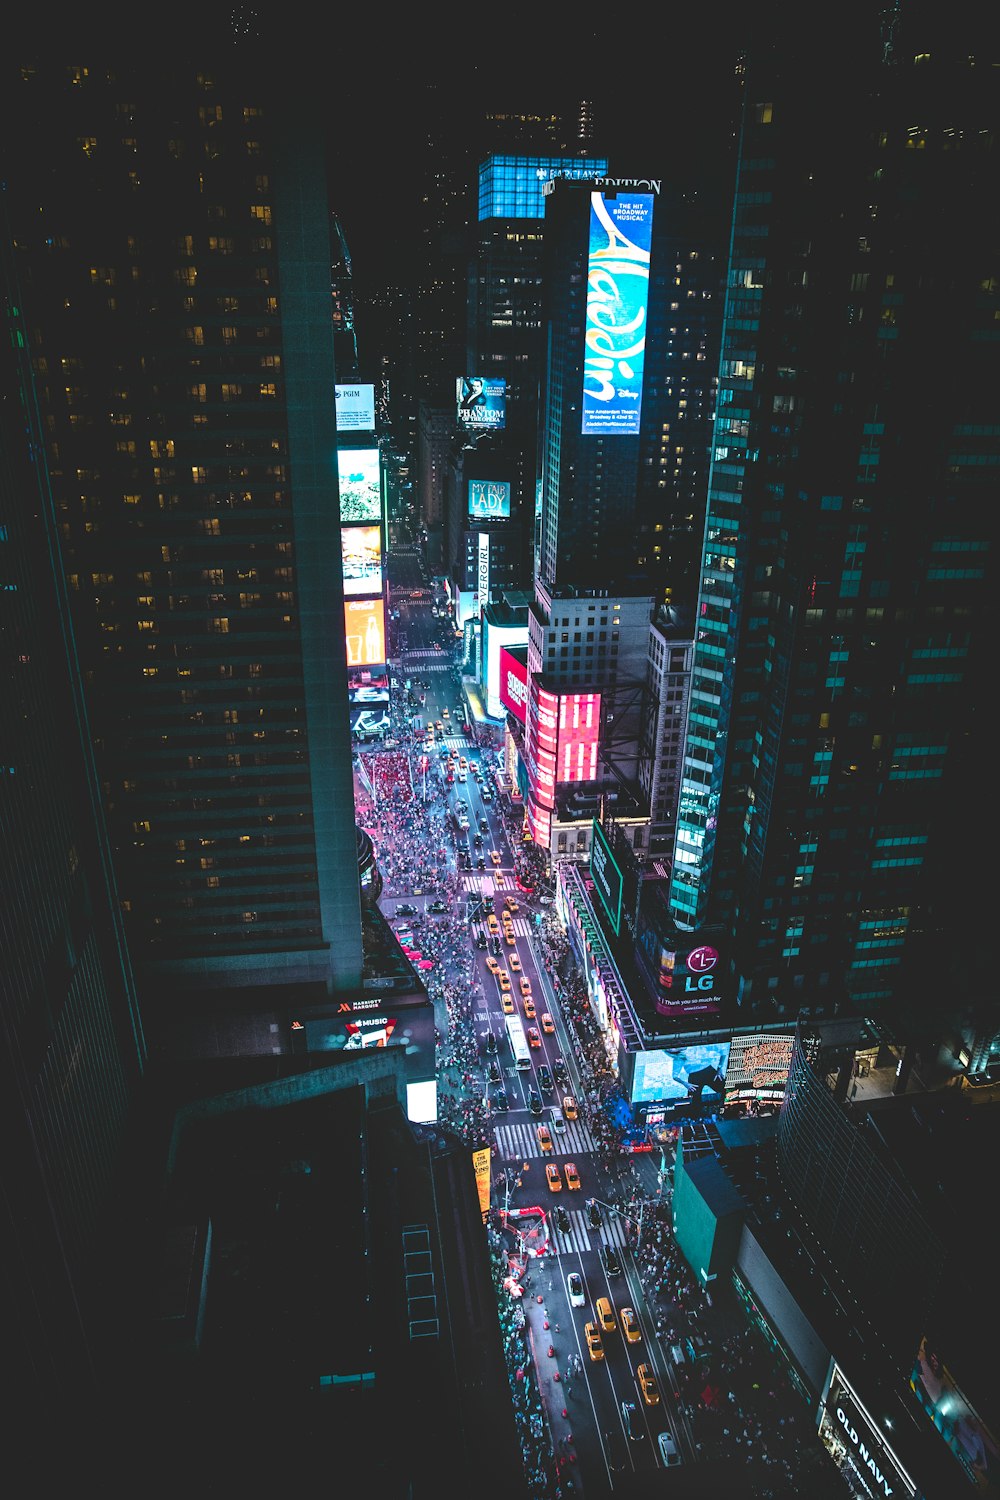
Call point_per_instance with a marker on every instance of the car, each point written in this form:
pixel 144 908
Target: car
pixel 478 841
pixel 492 964
pixel 406 909
pixel 534 1040
pixel 529 1007
pixel 492 924
pixel 668 1449
pixel 463 764
pixel 438 907
pixel 594 1346
pixel 647 1385
pixel 495 946
pixel 484 825
pixel 490 1042
pixel 574 1285
pixel 534 1102
pixel 545 1079
pixel 446 711
pixel 594 1214
pixel 569 1107
pixel 500 1100
pixel 509 937
pixel 609 1260
pixel 512 905
pixel 558 1125
pixel 503 978
pixel 572 1176
pixel 606 1316
pixel 544 1138
pixel 495 856
pixel 493 1072
pixel 562 1222
pixel 438 725
pixel 507 1003
pixel 630 1325
pixel 481 863
pixel 525 984
pixel 487 794
pixel 515 964
pixel 558 1066
pixel 630 1419
pixel 548 1026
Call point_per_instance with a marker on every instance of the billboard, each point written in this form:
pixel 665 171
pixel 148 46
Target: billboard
pixel 688 981
pixel 866 1464
pixel 481 403
pixel 621 231
pixel 694 1075
pixel 579 735
pixel 364 628
pixel 361 548
pixel 607 877
pixel 355 408
pixel 405 1021
pixel 360 484
pixel 758 1067
pixel 489 499
pixel 513 688
pixel 369 719
pixel 972 1443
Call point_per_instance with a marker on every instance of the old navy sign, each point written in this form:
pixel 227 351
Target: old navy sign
pixel 867 1465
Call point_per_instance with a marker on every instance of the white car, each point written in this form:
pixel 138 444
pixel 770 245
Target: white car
pixel 668 1449
pixel 558 1125
pixel 574 1285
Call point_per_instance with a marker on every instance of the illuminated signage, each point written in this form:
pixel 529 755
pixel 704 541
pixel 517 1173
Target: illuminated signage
pixel 364 628
pixel 607 877
pixel 621 231
pixel 481 402
pixel 688 1075
pixel 689 982
pixel 489 499
pixel 579 735
pixel 360 484
pixel 361 548
pixel 355 408
pixel 513 685
pixel 483 578
pixel 958 1423
pixel 758 1067
pixel 867 1466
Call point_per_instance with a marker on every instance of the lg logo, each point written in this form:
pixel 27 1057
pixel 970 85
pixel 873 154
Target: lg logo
pixel 701 960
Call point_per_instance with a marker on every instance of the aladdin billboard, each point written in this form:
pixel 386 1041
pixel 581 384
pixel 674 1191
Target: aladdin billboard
pixel 621 232
pixel 361 548
pixel 364 628
pixel 688 982
pixel 489 500
pixel 360 485
pixel 513 690
pixel 355 408
pixel 482 403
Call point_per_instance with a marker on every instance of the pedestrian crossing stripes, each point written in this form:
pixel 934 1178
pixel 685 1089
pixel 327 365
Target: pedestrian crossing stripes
pixel 581 1237
pixel 520 1142
pixel 455 741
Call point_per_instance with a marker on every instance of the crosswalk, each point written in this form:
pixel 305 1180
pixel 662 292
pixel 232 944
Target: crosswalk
pixel 581 1237
pixel 520 1142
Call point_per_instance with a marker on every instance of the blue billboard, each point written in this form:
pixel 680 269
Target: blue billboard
pixel 482 403
pixel 489 499
pixel 693 1075
pixel 621 232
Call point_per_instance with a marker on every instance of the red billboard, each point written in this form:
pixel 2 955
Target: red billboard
pixel 579 734
pixel 513 684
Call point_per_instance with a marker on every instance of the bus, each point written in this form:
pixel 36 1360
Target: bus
pixel 518 1043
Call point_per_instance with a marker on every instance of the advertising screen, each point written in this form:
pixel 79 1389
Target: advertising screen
pixel 688 981
pixel 961 1427
pixel 867 1465
pixel 758 1067
pixel 369 719
pixel 386 1022
pixel 355 408
pixel 362 552
pixel 621 230
pixel 481 402
pixel 579 733
pixel 693 1075
pixel 607 877
pixel 489 499
pixel 364 627
pixel 513 693
pixel 360 484
pixel 483 570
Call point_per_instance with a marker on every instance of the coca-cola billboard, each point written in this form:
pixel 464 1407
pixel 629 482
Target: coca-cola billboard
pixel 513 684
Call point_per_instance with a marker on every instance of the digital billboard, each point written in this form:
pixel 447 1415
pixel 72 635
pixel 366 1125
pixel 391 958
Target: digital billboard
pixel 621 232
pixel 483 570
pixel 758 1067
pixel 688 981
pixel 360 484
pixel 693 1075
pixel 866 1464
pixel 364 628
pixel 405 1021
pixel 607 877
pixel 489 499
pixel 579 735
pixel 481 402
pixel 355 408
pixel 361 547
pixel 961 1427
pixel 369 719
pixel 513 686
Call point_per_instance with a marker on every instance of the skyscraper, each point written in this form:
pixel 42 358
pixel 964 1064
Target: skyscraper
pixel 173 240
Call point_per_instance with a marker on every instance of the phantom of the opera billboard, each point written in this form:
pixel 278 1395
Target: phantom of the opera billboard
pixel 481 402
pixel 360 485
pixel 364 628
pixel 621 231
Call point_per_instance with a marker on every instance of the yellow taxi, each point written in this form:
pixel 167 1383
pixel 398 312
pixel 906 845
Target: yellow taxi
pixel 529 1007
pixel 534 1040
pixel 544 1137
pixel 548 1025
pixel 463 764
pixel 569 1107
pixel 512 905
pixel 446 711
pixel 509 937
pixel 495 856
pixel 553 1178
pixel 504 980
pixel 647 1385
pixel 630 1325
pixel 492 925
pixel 525 984
pixel 515 963
pixel 594 1346
pixel 492 964
pixel 507 1004
pixel 572 1177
